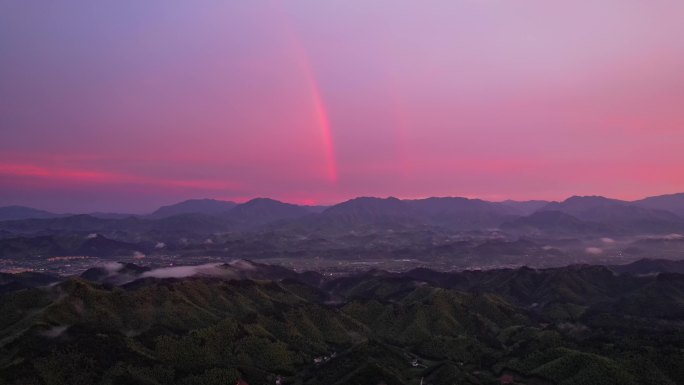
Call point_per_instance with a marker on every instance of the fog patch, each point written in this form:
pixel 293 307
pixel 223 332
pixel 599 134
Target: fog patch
pixel 138 255
pixel 91 236
pixel 183 271
pixel 608 241
pixel 594 250
pixel 112 267
pixel 160 245
pixel 668 237
pixel 55 331
pixel 241 264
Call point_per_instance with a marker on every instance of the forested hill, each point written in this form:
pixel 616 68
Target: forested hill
pixel 220 323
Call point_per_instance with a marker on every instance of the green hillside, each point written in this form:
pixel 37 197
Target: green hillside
pixel 575 325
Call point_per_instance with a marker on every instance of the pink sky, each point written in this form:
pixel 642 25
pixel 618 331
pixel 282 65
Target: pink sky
pixel 128 105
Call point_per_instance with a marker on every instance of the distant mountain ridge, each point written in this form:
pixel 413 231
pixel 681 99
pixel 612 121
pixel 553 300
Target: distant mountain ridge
pixel 525 207
pixel 194 206
pixel 13 213
pixel 597 208
pixel 577 216
pixel 10 213
pixel 264 210
pixel 463 213
pixel 623 215
pixel 650 266
pixel 672 202
pixel 369 209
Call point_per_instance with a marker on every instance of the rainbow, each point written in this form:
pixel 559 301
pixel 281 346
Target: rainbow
pixel 318 103
pixel 320 114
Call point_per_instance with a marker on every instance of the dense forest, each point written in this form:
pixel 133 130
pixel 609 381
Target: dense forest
pixel 573 325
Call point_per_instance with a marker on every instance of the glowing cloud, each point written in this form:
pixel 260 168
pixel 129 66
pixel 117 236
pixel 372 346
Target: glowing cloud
pixel 99 177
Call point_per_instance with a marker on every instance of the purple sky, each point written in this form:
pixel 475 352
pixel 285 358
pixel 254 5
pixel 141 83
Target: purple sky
pixel 126 105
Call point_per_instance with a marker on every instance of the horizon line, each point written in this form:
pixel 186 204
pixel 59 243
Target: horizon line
pixel 241 201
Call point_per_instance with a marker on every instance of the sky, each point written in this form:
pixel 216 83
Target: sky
pixel 127 105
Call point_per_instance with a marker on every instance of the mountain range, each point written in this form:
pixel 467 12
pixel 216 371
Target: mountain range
pixel 650 215
pixel 673 203
pixel 459 229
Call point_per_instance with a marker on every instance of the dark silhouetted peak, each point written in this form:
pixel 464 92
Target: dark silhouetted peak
pixel 671 202
pixel 583 203
pixel 264 210
pixel 369 205
pixel 650 266
pixel 11 213
pixel 453 212
pixel 194 206
pixel 265 202
pixel 441 205
pixel 621 215
pixel 97 245
pixel 525 207
pixel 370 210
pixel 462 213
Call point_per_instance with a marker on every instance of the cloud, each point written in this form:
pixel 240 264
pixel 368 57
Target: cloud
pixel 112 267
pixel 233 269
pixel 183 271
pixel 673 237
pixel 609 241
pixel 594 250
pixel 668 237
pixel 100 177
pixel 55 331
